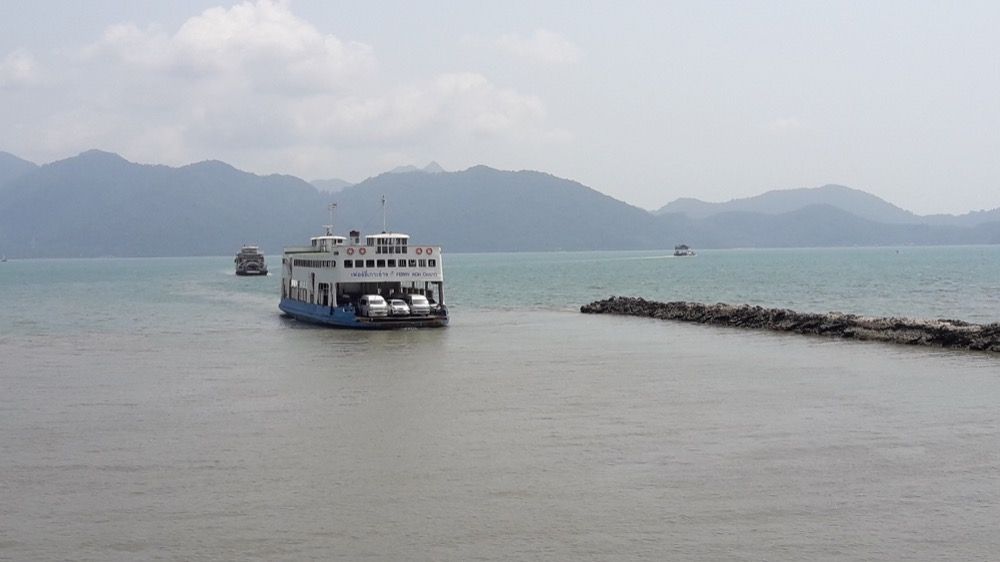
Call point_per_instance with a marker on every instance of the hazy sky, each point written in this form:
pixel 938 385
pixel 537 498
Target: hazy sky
pixel 644 101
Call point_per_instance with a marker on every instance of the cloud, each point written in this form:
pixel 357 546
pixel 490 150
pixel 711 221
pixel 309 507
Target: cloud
pixel 464 105
pixel 258 86
pixel 19 70
pixel 260 42
pixel 543 47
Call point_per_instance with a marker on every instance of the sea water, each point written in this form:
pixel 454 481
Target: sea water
pixel 163 409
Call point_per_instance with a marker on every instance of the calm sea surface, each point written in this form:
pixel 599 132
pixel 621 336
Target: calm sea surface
pixel 162 409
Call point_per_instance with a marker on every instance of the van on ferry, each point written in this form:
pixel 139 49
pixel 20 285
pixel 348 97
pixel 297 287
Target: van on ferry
pixel 419 304
pixel 373 306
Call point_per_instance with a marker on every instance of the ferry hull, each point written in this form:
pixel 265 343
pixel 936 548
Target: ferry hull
pixel 342 317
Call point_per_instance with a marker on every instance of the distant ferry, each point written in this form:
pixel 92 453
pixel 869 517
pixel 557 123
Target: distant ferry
pixel 249 261
pixel 682 250
pixel 383 281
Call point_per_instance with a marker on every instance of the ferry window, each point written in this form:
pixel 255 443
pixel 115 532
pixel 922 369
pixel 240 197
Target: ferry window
pixel 432 263
pixel 369 263
pixel 423 263
pixel 413 263
pixel 402 263
pixel 348 263
pixel 380 263
pixel 391 263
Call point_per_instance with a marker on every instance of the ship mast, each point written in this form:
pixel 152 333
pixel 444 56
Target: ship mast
pixel 329 227
pixel 384 229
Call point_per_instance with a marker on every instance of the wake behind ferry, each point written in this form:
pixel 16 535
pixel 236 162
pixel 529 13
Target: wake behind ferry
pixel 381 282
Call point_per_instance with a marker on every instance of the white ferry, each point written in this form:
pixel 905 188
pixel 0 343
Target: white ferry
pixel 250 261
pixel 683 250
pixel 383 281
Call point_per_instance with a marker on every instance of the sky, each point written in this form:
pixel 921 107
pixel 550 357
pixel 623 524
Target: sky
pixel 644 101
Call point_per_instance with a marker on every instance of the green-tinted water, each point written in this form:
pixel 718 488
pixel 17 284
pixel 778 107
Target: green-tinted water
pixel 162 409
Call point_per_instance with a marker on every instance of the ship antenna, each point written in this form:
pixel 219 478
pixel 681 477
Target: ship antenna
pixel 329 227
pixel 384 229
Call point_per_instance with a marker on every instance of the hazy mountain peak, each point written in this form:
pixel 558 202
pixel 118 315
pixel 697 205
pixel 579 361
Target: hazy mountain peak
pixel 404 169
pixel 779 201
pixel 8 157
pixel 331 185
pixel 432 168
pixel 210 165
pixel 95 155
pixel 12 167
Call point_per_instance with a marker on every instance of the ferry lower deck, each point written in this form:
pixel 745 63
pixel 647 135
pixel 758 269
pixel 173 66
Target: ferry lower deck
pixel 346 316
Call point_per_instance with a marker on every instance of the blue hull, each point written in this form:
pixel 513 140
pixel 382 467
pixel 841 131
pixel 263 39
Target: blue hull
pixel 343 317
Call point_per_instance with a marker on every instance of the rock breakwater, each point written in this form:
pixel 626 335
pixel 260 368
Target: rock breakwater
pixel 954 334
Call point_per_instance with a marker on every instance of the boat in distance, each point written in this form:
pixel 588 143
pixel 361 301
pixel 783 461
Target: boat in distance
pixel 349 282
pixel 683 250
pixel 250 261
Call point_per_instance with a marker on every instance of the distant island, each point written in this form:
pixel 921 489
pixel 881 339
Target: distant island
pixel 99 204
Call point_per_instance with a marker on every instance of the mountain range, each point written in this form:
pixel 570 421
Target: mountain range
pixel 854 201
pixel 99 204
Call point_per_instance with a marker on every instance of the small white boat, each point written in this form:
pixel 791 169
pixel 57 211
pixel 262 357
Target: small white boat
pixel 682 250
pixel 250 261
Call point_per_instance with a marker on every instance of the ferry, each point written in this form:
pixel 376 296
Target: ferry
pixel 682 250
pixel 250 261
pixel 381 281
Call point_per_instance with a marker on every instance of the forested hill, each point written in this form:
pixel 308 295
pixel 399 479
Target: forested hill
pixel 99 204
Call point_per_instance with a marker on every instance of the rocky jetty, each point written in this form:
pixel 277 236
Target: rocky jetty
pixel 936 333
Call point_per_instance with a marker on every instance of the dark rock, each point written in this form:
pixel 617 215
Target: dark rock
pixel 954 334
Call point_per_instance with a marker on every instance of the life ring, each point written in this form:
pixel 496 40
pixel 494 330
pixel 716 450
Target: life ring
pixel 420 251
pixel 350 251
pixel 430 251
pixel 361 251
